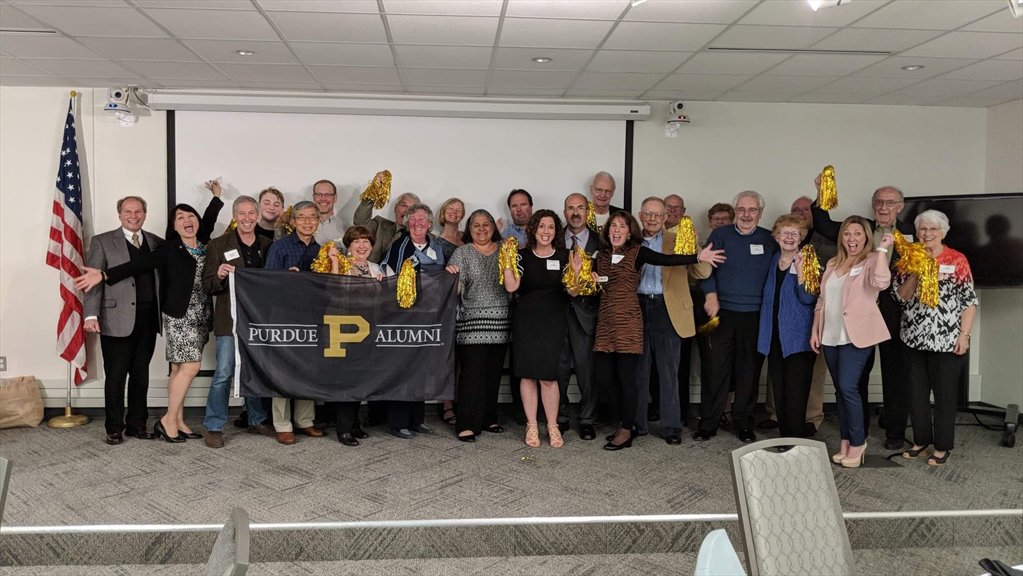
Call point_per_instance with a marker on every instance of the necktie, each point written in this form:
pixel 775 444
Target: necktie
pixel 575 241
pixel 135 240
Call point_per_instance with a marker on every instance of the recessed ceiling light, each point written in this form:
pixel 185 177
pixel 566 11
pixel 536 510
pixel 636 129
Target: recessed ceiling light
pixel 543 59
pixel 244 52
pixel 912 67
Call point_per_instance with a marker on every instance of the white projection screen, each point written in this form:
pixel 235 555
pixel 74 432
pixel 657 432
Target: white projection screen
pixel 477 160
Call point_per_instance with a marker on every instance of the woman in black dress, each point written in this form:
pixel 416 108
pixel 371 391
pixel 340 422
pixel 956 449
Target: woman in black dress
pixel 538 324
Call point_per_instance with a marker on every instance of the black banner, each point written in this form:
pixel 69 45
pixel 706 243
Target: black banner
pixel 341 338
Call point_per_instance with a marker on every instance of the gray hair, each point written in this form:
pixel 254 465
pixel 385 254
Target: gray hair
pixel 893 189
pixel 302 205
pixel 934 217
pixel 749 194
pixel 404 195
pixel 604 174
pixel 243 199
pixel 419 206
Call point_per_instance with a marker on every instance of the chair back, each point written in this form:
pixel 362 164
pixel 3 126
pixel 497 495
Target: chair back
pixel 5 482
pixel 717 556
pixel 230 556
pixel 789 508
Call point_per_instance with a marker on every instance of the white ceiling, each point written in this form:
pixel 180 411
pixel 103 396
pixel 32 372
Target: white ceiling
pixel 971 50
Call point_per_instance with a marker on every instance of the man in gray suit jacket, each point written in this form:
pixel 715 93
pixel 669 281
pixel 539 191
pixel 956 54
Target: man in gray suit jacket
pixel 384 230
pixel 127 317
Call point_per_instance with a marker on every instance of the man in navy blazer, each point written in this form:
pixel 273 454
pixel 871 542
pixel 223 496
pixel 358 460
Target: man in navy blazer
pixel 126 315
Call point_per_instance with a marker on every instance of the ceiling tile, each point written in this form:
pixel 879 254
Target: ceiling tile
pixel 521 58
pixel 12 80
pixel 173 70
pixel 351 6
pixel 576 9
pixel 359 87
pixel 525 92
pixel 94 21
pixel 270 85
pixel 989 70
pixel 823 64
pixel 83 68
pixel 662 36
pixel 196 83
pixel 445 7
pixel 819 98
pixel 101 3
pixel 266 52
pixel 730 63
pixel 443 77
pixel 1011 90
pixel 875 39
pixel 773 84
pixel 445 90
pixel 779 37
pixel 194 5
pixel 925 15
pixel 974 101
pixel 968 45
pixel 139 48
pixel 799 13
pixel 215 24
pixel 694 11
pixel 355 75
pixel 335 54
pixel 44 46
pixel 524 79
pixel 444 56
pixel 997 22
pixel 736 96
pixel 695 95
pixel 703 82
pixel 272 72
pixel 892 67
pixel 632 61
pixel 553 33
pixel 900 99
pixel 866 86
pixel 12 67
pixel 307 26
pixel 602 93
pixel 13 19
pixel 616 81
pixel 1014 55
pixel 458 30
pixel 947 88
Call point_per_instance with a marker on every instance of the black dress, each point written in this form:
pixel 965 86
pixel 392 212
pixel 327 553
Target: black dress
pixel 538 320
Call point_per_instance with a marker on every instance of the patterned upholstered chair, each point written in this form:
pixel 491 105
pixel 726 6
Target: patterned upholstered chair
pixel 230 556
pixel 789 508
pixel 5 483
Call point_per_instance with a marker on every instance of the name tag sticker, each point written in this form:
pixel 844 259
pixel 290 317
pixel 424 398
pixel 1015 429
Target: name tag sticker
pixel 601 279
pixel 553 265
pixel 792 269
pixel 616 258
pixel 856 271
pixel 231 255
pixel 756 249
pixel 908 237
pixel 947 269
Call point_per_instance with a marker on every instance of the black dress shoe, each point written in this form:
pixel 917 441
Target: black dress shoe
pixel 242 421
pixel 141 433
pixel 347 439
pixel 114 438
pixel 612 446
pixel 809 431
pixel 359 433
pixel 673 439
pixel 586 432
pixel 746 436
pixel 159 431
pixel 702 436
pixel 894 444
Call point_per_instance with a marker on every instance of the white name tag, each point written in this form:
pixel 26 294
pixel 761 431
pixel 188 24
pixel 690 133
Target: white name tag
pixel 553 265
pixel 616 258
pixel 601 279
pixel 947 269
pixel 856 271
pixel 908 237
pixel 756 249
pixel 792 269
pixel 231 255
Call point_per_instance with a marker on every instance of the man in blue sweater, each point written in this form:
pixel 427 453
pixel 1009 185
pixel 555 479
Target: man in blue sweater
pixel 734 292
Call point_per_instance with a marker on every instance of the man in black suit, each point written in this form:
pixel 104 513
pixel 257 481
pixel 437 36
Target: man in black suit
pixel 886 202
pixel 582 320
pixel 126 315
pixel 602 189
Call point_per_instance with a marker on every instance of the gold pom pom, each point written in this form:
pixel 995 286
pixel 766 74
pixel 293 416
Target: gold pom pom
pixel 582 283
pixel 508 259
pixel 231 227
pixel 322 262
pixel 407 284
pixel 828 196
pixel 810 271
pixel 685 237
pixel 914 259
pixel 284 222
pixel 709 327
pixel 591 216
pixel 379 189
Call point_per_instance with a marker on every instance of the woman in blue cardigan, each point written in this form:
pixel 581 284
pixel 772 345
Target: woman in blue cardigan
pixel 786 319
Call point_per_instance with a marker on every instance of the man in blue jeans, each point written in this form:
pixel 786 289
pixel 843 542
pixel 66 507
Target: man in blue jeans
pixel 238 248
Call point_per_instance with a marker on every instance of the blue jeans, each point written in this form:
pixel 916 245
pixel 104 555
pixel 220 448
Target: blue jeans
pixel 220 390
pixel 846 364
pixel 661 347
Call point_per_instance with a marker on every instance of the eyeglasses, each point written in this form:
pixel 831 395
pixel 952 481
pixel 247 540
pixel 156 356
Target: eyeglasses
pixel 323 194
pixel 654 215
pixel 886 203
pixel 789 234
pixel 307 218
pixel 676 208
pixel 747 210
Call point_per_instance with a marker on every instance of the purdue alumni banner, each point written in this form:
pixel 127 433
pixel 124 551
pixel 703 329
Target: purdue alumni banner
pixel 341 338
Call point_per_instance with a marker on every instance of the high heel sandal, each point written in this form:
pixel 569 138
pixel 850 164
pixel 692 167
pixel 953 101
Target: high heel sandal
pixel 935 461
pixel 532 436
pixel 555 435
pixel 914 453
pixel 857 461
pixel 158 431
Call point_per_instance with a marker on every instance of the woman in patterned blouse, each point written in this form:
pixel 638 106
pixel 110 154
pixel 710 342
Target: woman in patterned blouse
pixel 937 340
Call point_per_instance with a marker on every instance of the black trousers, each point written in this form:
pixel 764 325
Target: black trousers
pixel 895 388
pixel 733 352
pixel 479 380
pixel 346 415
pixel 577 356
pixel 127 359
pixel 616 374
pixel 685 365
pixel 937 372
pixel 405 414
pixel 790 380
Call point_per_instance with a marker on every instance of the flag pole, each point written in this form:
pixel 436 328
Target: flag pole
pixel 69 419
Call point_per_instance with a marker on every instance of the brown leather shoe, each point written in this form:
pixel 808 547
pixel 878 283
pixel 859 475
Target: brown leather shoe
pixel 311 431
pixel 286 438
pixel 262 429
pixel 215 439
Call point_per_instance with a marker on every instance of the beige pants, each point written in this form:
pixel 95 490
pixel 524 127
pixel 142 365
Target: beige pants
pixel 815 403
pixel 305 410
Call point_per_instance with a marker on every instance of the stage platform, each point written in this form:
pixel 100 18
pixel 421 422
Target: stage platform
pixel 70 477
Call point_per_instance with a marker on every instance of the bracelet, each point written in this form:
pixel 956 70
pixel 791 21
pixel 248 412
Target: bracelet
pixel 882 250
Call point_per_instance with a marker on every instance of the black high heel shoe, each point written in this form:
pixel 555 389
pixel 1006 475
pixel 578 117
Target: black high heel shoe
pixel 158 431
pixel 612 446
pixel 190 435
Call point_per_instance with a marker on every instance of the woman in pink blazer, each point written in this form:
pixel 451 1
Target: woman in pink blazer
pixel 847 324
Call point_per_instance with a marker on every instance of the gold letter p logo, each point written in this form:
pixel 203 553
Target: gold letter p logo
pixel 337 337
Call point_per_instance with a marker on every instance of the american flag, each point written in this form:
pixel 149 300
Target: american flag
pixel 65 251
